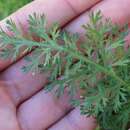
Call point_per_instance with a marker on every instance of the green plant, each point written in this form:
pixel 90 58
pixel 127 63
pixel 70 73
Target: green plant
pixel 99 66
pixel 9 6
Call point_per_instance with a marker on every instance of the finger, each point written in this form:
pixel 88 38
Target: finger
pixel 118 13
pixel 53 12
pixel 44 109
pixel 75 121
pixel 116 10
pixel 19 87
pixel 8 120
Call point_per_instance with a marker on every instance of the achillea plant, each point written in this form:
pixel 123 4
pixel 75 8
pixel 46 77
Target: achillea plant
pixel 100 68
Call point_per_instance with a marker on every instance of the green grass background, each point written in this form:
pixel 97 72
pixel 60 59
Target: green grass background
pixel 9 6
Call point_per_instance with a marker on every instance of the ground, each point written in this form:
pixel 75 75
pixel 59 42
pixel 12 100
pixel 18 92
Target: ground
pixel 9 6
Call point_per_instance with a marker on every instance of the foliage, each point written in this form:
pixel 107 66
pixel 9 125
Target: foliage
pixel 9 6
pixel 99 66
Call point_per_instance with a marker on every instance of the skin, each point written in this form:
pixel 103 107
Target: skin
pixel 24 105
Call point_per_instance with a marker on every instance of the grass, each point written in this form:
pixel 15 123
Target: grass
pixel 9 6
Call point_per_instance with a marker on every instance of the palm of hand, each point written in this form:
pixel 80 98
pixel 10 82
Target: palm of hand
pixel 30 114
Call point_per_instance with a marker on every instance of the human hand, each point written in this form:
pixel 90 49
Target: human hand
pixel 23 105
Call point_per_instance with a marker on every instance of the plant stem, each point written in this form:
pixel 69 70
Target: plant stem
pixel 107 72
